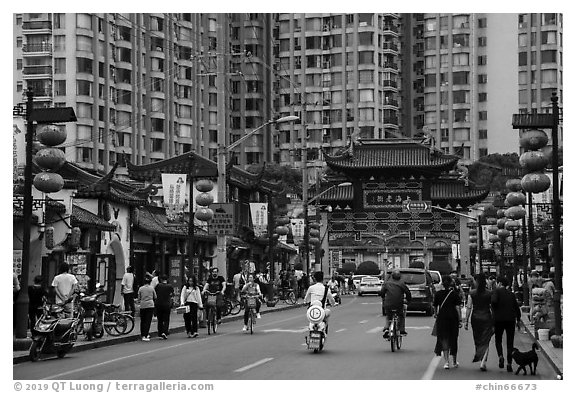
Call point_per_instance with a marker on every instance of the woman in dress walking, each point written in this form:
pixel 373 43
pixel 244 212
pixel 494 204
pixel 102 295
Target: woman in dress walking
pixel 479 310
pixel 448 322
pixel 191 297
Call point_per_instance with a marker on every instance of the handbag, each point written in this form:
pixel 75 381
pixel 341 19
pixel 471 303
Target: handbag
pixel 183 310
pixel 435 327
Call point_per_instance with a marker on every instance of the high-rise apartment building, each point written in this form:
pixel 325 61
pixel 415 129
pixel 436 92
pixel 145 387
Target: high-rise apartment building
pixel 144 85
pixel 340 74
pixel 471 72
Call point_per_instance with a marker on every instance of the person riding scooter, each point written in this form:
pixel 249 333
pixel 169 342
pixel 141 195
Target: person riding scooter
pixel 320 292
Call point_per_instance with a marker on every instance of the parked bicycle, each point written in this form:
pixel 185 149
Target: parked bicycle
pixel 117 323
pixel 286 294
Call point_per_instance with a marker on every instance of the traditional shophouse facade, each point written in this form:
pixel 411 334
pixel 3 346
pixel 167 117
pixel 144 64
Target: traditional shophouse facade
pixel 370 221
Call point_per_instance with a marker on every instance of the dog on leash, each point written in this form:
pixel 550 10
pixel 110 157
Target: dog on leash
pixel 524 359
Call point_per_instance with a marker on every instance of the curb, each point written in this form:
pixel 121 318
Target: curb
pixel 86 345
pixel 542 350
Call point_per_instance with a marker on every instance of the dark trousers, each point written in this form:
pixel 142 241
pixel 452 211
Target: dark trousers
pixel 247 310
pixel 191 318
pixel 163 314
pixel 499 328
pixel 34 314
pixel 145 320
pixel 129 303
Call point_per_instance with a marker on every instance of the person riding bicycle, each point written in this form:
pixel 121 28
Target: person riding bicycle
pixel 251 288
pixel 392 294
pixel 322 293
pixel 216 283
pixel 334 285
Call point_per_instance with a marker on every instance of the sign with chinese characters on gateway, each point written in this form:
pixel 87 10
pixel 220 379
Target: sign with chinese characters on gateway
pixel 382 195
pixel 223 221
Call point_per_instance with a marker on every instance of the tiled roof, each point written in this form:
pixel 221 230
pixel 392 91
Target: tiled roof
pixel 455 190
pixel 153 221
pixel 83 218
pixel 390 154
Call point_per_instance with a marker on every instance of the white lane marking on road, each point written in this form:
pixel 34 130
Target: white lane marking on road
pixel 204 339
pixel 418 327
pixel 302 330
pixel 376 329
pixel 370 303
pixel 248 367
pixel 340 330
pixel 364 321
pixel 429 374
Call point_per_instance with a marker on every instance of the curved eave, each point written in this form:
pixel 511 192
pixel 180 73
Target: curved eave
pixel 85 219
pixel 153 222
pixel 188 163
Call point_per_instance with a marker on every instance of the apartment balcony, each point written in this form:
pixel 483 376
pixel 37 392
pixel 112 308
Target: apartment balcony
pixel 36 26
pixel 388 83
pixel 390 102
pixel 40 93
pixel 391 28
pixel 391 65
pixel 390 46
pixel 43 48
pixel 390 120
pixel 37 70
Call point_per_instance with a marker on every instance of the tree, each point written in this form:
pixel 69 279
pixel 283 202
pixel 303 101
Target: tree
pixel 494 170
pixel 368 267
pixel 347 268
pixel 289 177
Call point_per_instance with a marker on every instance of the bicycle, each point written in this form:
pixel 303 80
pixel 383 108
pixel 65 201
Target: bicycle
pixel 211 301
pixel 233 306
pixel 286 294
pixel 394 335
pixel 250 301
pixel 117 323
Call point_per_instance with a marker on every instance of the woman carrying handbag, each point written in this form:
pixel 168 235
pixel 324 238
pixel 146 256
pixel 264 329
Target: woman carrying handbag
pixel 191 298
pixel 448 322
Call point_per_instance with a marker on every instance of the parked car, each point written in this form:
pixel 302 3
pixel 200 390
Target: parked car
pixel 369 285
pixel 437 279
pixel 422 289
pixel 356 279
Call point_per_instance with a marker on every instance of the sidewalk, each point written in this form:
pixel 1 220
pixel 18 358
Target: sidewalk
pixel 553 355
pixel 176 326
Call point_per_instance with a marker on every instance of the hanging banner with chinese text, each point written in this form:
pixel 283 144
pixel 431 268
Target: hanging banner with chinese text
pixel 174 187
pixel 297 225
pixel 259 212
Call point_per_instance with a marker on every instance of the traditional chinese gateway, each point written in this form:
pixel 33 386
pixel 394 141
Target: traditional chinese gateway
pixel 371 220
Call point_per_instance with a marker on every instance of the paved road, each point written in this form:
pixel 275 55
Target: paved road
pixel 355 350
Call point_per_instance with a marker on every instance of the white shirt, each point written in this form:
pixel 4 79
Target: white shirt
pixel 316 292
pixel 64 282
pixel 154 282
pixel 128 282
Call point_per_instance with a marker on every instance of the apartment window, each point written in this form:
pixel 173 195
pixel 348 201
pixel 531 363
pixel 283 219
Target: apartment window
pixel 350 96
pixel 84 110
pixel 461 21
pixel 522 21
pixel 366 57
pixel 522 40
pixel 18 19
pixel 157 145
pixel 523 96
pixel 549 76
pixel 482 60
pixel 157 85
pixel 461 134
pixel 482 41
pixel 84 88
pixel 548 56
pixel 85 154
pixel 460 59
pixel 548 37
pixel 461 115
pixel 482 78
pixel 482 22
pixel 365 76
pixel 349 19
pixel 430 43
pixel 443 22
pixel 157 124
pixel 430 80
pixel 483 152
pixel 59 88
pixel 83 43
pixel 483 115
pixel 313 42
pixel 366 95
pixel 83 65
pixel 444 134
pixel 430 99
pixel 213 118
pixel 18 64
pixel 482 97
pixel 460 97
pixel 522 58
pixel 431 24
pixel 19 86
pixel 84 21
pixel 124 97
pixel 548 19
pixel 460 78
pixel 366 114
pixel 460 40
pixel 430 117
pixel 482 134
pixel 430 61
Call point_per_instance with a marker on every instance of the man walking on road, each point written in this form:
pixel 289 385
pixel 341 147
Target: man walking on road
pixel 128 290
pixel 506 316
pixel 164 293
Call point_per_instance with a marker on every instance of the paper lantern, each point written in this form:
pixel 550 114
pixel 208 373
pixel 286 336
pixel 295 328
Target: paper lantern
pixel 501 222
pixel 516 198
pixel 533 139
pixel 493 239
pixel 281 230
pixel 48 182
pixel 491 220
pixel 314 225
pixel 51 135
pixel 493 229
pixel 204 185
pixel 490 211
pixel 533 161
pixel 314 240
pixel 535 182
pixel 283 220
pixel 473 238
pixel 314 233
pixel 204 199
pixel 473 245
pixel 515 212
pixel 512 225
pixel 503 233
pixel 514 185
pixel 472 232
pixel 50 158
pixel 500 213
pixel 204 214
